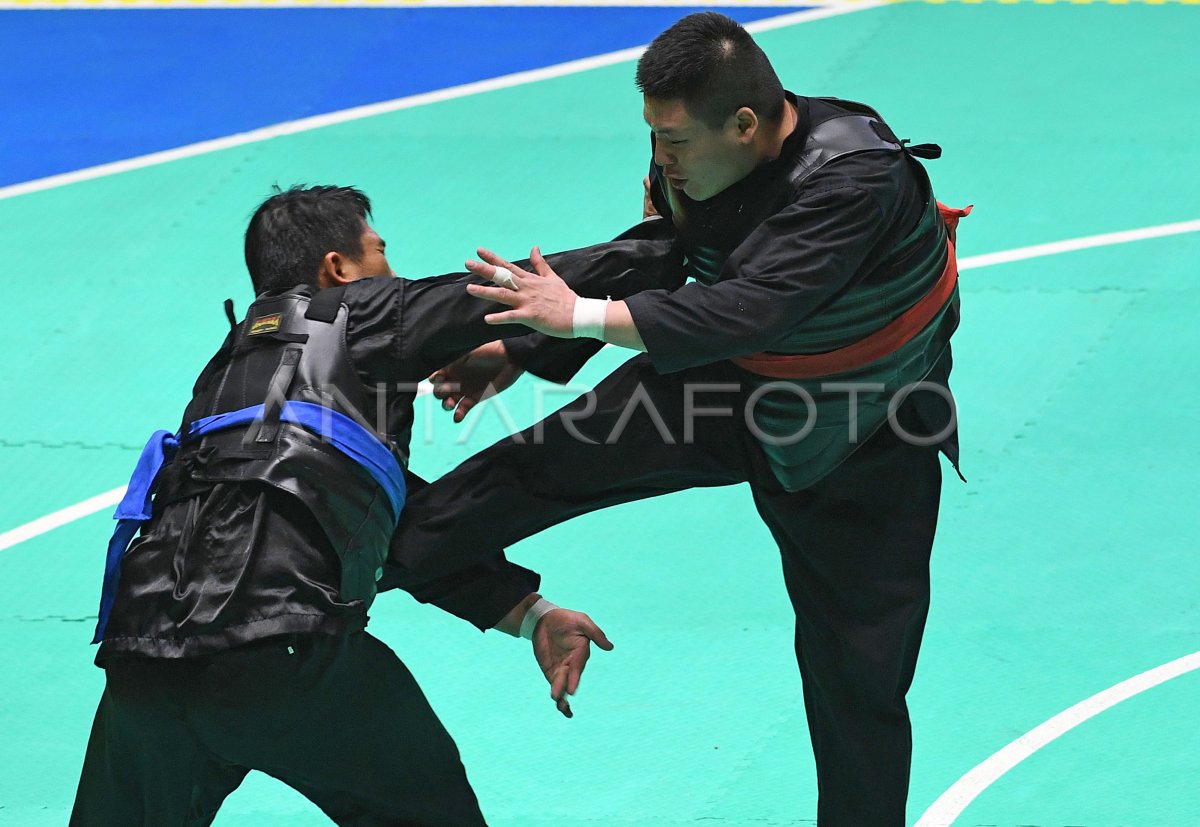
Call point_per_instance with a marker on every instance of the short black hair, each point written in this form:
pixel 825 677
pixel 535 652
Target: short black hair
pixel 711 63
pixel 292 230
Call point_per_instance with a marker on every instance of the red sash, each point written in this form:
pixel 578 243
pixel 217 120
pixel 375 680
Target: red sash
pixel 887 340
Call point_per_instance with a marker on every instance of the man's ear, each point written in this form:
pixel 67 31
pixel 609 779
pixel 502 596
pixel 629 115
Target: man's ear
pixel 746 122
pixel 335 269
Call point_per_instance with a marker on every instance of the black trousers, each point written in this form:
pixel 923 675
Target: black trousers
pixel 338 718
pixel 855 549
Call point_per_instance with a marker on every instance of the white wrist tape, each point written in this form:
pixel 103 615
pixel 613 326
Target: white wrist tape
pixel 530 622
pixel 587 322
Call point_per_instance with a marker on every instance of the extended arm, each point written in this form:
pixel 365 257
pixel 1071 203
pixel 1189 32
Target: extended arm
pixel 443 321
pixel 784 271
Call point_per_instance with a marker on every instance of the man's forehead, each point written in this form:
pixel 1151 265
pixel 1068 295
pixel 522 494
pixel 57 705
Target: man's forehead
pixel 665 115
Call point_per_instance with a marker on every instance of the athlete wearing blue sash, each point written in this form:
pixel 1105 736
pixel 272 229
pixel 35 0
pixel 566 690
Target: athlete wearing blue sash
pixel 232 630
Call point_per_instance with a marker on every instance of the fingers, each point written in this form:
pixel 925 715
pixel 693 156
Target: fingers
pixel 562 645
pixel 507 317
pixel 461 404
pixel 558 691
pixel 495 260
pixel 494 273
pixel 464 408
pixel 502 271
pixel 443 386
pixel 558 683
pixel 575 671
pixel 539 262
pixel 496 294
pixel 596 634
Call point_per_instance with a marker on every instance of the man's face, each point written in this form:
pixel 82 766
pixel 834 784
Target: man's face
pixel 696 158
pixel 373 261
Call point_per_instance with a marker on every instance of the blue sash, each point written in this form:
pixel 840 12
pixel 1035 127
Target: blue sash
pixel 136 507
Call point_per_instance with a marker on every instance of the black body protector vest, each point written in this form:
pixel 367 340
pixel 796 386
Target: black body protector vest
pixel 291 348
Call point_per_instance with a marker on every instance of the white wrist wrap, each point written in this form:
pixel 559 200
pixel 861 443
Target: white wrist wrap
pixel 587 322
pixel 530 622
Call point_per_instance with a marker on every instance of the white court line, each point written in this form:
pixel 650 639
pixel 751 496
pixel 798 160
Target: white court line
pixel 90 506
pixel 266 133
pixel 61 517
pixel 1073 244
pixel 951 803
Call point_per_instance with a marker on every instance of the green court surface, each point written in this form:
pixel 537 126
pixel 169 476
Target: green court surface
pixel 1067 564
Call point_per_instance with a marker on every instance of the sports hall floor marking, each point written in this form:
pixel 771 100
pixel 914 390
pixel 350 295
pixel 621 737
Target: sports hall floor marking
pixel 1072 244
pixel 950 804
pixel 88 507
pixel 59 518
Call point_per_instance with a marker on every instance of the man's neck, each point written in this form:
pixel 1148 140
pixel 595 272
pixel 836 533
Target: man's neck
pixel 776 136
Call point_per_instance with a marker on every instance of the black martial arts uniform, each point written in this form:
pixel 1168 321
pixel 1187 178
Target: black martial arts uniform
pixel 237 640
pixel 807 254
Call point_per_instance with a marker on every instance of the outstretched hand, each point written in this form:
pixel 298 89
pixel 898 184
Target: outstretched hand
pixel 470 379
pixel 562 645
pixel 539 300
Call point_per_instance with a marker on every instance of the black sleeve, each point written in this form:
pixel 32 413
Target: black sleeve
pixel 481 592
pixel 551 358
pixel 785 270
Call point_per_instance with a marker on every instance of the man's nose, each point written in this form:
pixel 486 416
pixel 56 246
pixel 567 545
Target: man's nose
pixel 661 156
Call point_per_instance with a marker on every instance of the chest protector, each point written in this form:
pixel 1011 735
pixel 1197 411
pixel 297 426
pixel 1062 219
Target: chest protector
pixel 292 349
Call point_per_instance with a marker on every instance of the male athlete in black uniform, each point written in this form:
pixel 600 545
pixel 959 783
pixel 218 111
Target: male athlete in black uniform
pixel 232 631
pixel 809 357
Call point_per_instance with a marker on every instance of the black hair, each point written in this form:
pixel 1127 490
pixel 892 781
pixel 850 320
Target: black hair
pixel 291 232
pixel 711 63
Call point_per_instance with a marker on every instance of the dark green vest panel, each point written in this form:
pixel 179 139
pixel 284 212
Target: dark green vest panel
pixel 837 428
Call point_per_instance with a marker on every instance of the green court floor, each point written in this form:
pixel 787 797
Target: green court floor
pixel 1068 563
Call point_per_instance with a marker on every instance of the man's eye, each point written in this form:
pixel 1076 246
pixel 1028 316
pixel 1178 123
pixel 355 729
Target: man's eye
pixel 677 143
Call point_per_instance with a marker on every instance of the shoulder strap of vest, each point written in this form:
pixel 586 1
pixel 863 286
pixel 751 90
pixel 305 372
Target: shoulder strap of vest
pixel 858 128
pixel 281 380
pixel 840 136
pixel 323 307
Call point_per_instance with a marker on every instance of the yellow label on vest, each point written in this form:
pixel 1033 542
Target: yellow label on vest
pixel 266 324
